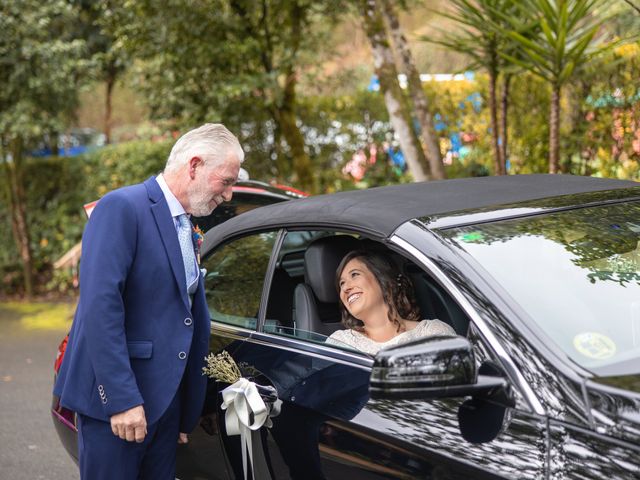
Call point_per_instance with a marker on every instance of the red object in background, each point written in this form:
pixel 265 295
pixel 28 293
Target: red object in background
pixel 60 355
pixel 88 207
pixel 291 189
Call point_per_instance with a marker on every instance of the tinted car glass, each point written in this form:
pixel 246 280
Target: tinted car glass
pixel 234 279
pixel 576 274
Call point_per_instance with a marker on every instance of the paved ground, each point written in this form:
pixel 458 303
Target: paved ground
pixel 29 446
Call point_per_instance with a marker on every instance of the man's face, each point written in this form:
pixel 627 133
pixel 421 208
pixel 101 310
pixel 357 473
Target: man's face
pixel 212 186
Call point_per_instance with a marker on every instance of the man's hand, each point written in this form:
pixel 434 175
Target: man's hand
pixel 130 425
pixel 183 438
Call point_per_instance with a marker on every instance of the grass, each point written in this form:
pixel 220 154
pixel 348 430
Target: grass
pixel 38 315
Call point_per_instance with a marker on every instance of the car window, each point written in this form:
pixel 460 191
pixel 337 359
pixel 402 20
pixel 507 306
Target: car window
pixel 575 273
pixel 311 337
pixel 235 277
pixel 303 301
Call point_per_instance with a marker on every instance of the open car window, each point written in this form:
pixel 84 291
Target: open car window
pixel 311 337
pixel 303 300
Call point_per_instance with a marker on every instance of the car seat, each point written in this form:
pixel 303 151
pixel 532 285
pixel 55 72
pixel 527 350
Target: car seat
pixel 434 302
pixel 316 300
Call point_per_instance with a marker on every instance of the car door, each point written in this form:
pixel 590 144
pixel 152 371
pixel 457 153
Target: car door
pixel 234 277
pixel 330 428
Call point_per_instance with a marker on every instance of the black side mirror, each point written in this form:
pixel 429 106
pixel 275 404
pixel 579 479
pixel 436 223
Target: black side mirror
pixel 435 367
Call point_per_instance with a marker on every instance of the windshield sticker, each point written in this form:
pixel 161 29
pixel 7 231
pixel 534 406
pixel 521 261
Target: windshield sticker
pixel 471 237
pixel 594 345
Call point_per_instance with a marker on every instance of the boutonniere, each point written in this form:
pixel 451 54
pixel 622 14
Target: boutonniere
pixel 198 238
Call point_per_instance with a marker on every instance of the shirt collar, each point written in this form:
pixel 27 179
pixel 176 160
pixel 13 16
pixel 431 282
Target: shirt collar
pixel 175 207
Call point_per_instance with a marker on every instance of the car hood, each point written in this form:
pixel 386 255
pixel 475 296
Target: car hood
pixel 615 405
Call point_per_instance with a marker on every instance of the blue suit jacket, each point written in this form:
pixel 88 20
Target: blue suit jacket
pixel 133 323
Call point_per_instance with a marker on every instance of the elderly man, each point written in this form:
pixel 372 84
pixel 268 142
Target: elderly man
pixel 133 367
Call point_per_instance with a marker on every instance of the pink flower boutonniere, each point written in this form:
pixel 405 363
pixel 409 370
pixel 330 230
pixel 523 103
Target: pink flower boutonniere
pixel 198 238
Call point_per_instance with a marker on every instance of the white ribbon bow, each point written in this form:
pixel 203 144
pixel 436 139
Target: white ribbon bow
pixel 245 412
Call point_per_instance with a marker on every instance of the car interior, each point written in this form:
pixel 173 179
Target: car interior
pixel 303 296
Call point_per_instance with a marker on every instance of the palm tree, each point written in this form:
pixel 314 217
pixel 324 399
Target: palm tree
pixel 565 40
pixel 483 46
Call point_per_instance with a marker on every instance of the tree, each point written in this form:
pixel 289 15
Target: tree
pixel 418 97
pixel 40 71
pixel 230 60
pixel 388 76
pixel 565 41
pixel 482 45
pixel 109 60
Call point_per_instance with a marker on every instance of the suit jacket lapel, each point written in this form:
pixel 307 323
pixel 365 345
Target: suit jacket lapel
pixel 167 230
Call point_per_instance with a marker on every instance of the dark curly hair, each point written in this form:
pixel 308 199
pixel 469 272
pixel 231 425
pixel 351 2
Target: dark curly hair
pixel 397 290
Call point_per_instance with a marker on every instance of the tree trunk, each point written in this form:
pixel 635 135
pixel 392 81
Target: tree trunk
pixel 18 211
pixel 554 130
pixel 286 115
pixel 287 124
pixel 504 111
pixel 282 169
pixel 53 143
pixel 387 74
pixel 493 108
pixel 110 83
pixel 283 104
pixel 418 97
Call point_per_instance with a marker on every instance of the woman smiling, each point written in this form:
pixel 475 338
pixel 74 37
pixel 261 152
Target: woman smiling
pixel 378 305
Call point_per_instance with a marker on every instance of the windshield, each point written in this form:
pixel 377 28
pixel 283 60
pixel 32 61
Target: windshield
pixel 577 275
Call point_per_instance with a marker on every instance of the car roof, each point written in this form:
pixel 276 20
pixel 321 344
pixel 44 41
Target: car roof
pixel 380 211
pixel 281 191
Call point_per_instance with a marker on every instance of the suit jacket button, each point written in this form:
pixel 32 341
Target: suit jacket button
pixel 188 321
pixel 182 355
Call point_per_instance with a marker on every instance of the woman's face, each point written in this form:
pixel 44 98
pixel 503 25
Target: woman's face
pixel 360 292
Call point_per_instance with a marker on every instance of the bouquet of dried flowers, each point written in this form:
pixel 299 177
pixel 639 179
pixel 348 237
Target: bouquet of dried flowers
pixel 222 367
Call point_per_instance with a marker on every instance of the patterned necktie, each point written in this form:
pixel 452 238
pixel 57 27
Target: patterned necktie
pixel 186 245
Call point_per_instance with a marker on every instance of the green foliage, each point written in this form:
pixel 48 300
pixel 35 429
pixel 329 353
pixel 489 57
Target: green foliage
pixel 479 43
pixel 57 189
pixel 208 58
pixel 566 37
pixel 336 127
pixel 604 136
pixel 40 68
pixel 202 58
pixel 115 166
pixel 529 126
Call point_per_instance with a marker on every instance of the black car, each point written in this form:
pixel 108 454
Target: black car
pixel 538 275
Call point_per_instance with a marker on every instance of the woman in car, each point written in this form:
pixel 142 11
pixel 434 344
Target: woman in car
pixel 378 305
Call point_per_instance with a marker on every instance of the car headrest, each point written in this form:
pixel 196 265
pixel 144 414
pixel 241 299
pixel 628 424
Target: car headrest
pixel 321 260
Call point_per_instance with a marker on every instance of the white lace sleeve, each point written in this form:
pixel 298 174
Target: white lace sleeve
pixel 437 327
pixel 352 340
pixel 337 338
pixel 345 339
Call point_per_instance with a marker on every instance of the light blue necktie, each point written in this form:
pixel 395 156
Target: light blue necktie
pixel 186 245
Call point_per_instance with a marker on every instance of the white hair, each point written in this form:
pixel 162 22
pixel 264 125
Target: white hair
pixel 212 142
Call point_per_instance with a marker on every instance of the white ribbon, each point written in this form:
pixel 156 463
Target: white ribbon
pixel 245 412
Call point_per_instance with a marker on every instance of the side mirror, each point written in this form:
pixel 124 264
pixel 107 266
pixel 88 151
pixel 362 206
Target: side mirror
pixel 435 367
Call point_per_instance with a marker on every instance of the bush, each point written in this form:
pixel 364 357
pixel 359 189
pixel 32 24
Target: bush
pixel 57 189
